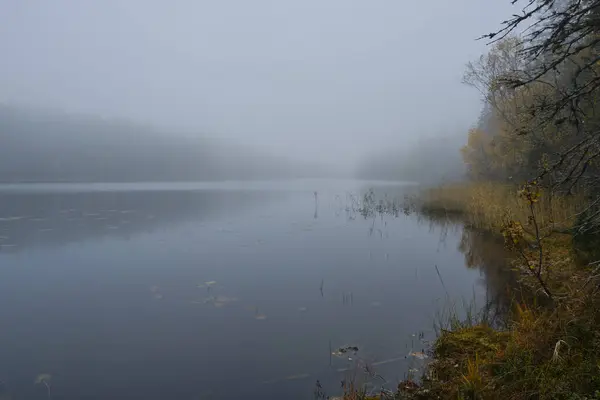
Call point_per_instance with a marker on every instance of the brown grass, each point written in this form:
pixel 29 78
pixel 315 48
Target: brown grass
pixel 550 352
pixel 488 205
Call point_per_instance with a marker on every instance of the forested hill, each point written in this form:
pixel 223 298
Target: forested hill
pixel 41 146
pixel 431 161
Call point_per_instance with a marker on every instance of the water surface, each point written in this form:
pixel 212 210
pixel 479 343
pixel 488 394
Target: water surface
pixel 216 290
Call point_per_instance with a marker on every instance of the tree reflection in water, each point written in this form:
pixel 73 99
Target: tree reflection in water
pixel 486 252
pixel 482 250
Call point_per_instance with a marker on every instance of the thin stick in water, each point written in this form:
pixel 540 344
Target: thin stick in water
pixel 445 289
pixel 442 281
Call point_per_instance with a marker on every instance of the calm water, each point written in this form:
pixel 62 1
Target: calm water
pixel 212 291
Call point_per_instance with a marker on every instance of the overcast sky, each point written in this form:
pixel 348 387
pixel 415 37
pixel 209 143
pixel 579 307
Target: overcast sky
pixel 321 78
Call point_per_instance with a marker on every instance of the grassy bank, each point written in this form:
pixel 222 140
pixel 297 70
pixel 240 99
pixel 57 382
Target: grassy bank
pixel 545 352
pixel 548 344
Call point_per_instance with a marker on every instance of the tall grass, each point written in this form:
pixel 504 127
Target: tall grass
pixel 550 352
pixel 488 205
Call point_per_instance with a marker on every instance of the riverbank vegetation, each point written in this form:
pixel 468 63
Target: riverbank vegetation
pixel 532 162
pixel 548 345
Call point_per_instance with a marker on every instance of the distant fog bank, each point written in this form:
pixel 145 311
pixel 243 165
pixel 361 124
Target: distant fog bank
pixel 432 161
pixel 43 146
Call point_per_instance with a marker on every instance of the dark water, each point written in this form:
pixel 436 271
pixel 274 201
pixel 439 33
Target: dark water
pixel 99 287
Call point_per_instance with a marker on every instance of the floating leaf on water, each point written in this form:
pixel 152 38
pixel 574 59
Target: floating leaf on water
pixel 260 317
pixel 15 218
pixel 219 301
pixel 42 378
pixel 225 299
pixel 342 351
pixel 298 376
pixel 418 354
pixel 346 349
pixel 207 285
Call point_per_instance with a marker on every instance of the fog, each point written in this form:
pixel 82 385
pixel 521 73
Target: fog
pixel 431 161
pixel 325 82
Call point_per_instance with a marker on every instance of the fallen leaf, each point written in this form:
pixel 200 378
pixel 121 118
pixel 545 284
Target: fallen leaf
pixel 43 378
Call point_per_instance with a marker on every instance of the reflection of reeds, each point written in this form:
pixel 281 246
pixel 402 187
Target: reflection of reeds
pixel 437 270
pixel 448 318
pixel 347 298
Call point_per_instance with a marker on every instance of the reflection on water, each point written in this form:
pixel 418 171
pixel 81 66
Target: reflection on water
pixel 55 218
pixel 482 250
pixel 222 292
pixel 488 253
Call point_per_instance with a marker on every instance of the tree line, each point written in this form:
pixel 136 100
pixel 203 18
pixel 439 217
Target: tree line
pixel 541 119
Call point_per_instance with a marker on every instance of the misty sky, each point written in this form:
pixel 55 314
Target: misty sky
pixel 321 78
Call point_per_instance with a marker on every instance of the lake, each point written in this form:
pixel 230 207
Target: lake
pixel 219 290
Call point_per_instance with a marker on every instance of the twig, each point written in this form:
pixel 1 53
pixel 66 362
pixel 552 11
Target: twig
pixel 47 389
